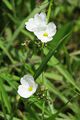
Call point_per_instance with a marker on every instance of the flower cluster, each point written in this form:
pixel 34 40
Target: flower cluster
pixel 28 86
pixel 43 30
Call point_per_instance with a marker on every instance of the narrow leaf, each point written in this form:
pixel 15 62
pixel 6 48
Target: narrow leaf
pixel 5 96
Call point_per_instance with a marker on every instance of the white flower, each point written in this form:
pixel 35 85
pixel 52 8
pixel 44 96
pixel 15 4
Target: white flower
pixel 38 21
pixel 28 86
pixel 46 33
pixel 41 29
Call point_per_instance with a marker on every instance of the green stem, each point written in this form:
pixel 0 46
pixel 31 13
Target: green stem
pixel 43 110
pixel 49 10
pixel 42 58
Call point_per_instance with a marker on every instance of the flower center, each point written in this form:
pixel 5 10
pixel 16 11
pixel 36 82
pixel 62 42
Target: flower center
pixel 30 88
pixel 45 34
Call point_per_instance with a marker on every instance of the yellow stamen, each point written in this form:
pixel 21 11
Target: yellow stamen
pixel 45 34
pixel 30 88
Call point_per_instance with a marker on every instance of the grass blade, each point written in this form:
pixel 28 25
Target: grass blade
pixel 6 52
pixel 5 96
pixel 63 71
pixel 7 3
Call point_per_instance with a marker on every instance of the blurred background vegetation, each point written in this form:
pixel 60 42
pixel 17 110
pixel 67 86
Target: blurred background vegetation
pixel 20 53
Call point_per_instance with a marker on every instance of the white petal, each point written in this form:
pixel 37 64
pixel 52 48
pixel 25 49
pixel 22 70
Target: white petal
pixel 35 86
pixel 43 38
pixel 27 79
pixel 40 30
pixel 35 23
pixel 37 19
pixel 43 16
pixel 40 19
pixel 51 29
pixel 23 92
pixel 30 25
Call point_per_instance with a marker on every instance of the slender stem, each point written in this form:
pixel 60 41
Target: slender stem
pixel 75 53
pixel 43 110
pixel 42 58
pixel 49 10
pixel 43 78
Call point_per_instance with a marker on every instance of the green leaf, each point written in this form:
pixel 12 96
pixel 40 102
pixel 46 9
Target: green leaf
pixel 8 4
pixel 8 116
pixel 63 71
pixel 33 3
pixel 3 107
pixel 10 79
pixel 5 96
pixel 6 51
pixel 54 76
pixel 25 32
pixel 59 38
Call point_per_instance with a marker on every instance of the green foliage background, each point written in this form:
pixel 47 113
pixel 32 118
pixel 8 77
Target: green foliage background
pixel 56 67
